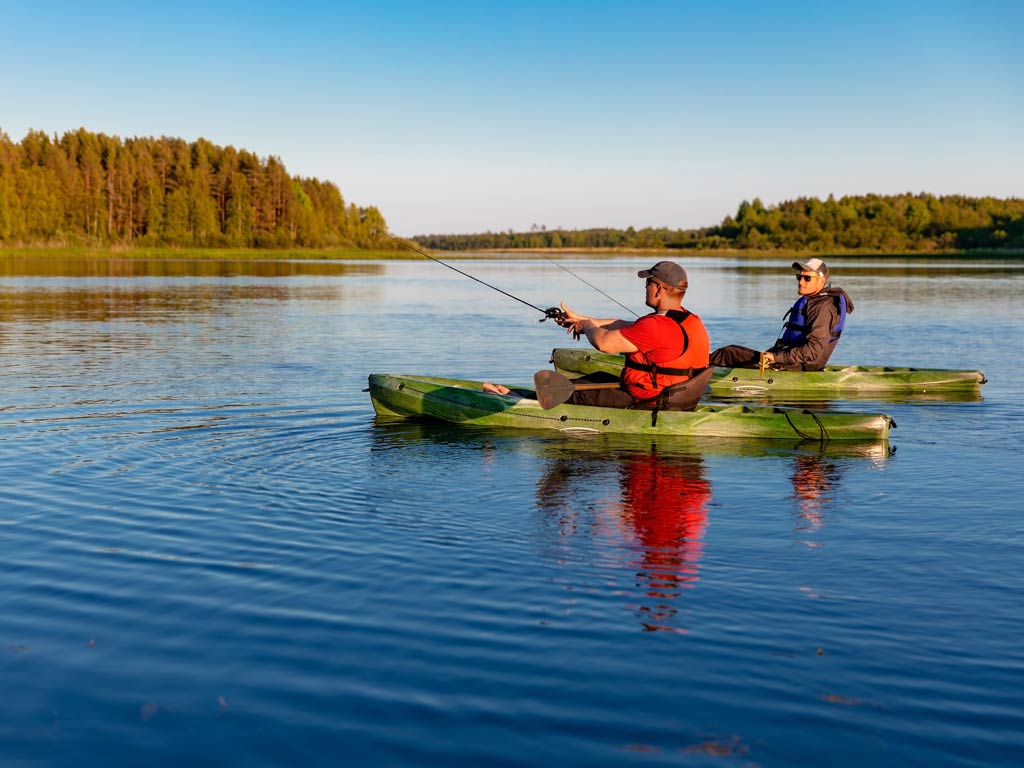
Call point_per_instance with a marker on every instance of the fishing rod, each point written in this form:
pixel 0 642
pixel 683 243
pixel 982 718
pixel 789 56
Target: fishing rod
pixel 553 312
pixel 591 285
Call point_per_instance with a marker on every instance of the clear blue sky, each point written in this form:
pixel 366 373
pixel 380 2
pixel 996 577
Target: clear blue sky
pixel 473 116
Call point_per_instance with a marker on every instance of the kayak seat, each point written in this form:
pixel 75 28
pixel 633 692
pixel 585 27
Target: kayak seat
pixel 683 396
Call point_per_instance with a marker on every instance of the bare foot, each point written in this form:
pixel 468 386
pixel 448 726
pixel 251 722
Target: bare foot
pixel 495 389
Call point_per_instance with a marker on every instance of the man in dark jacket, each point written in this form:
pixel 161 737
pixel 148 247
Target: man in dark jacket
pixel 811 330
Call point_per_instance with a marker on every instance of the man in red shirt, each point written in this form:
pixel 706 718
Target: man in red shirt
pixel 663 348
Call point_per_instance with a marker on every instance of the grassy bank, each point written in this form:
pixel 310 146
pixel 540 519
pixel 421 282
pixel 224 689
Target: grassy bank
pixel 351 254
pixel 193 254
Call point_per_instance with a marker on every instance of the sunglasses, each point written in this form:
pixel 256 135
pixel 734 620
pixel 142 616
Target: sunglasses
pixel 807 278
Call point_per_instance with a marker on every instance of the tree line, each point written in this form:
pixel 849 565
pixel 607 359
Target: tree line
pixel 86 188
pixel 880 223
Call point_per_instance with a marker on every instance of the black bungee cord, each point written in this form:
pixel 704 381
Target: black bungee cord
pixel 823 436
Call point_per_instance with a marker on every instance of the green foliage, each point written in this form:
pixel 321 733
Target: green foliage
pixel 875 223
pixel 84 188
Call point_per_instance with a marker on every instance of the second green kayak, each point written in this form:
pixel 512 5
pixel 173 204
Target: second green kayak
pixel 834 380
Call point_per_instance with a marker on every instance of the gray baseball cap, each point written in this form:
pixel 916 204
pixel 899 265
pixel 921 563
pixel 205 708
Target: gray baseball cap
pixel 668 272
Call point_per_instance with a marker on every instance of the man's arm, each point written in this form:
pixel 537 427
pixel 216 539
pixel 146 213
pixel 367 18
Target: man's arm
pixel 602 333
pixel 607 340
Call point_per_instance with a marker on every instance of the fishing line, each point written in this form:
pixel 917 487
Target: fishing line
pixel 591 285
pixel 552 312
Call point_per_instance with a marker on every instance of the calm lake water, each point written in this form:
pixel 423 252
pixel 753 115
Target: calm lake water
pixel 213 554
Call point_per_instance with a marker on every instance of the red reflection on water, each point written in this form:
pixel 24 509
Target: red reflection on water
pixel 664 504
pixel 815 482
pixel 652 508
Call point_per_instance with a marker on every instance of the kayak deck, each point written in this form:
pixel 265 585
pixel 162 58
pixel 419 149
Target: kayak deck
pixel 463 402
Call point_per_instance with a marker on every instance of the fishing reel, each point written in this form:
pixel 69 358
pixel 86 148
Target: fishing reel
pixel 560 318
pixel 555 313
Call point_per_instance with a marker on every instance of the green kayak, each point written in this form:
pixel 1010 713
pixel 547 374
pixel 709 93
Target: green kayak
pixel 834 380
pixel 463 402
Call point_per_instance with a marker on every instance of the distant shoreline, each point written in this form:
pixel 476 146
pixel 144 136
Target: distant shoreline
pixel 349 254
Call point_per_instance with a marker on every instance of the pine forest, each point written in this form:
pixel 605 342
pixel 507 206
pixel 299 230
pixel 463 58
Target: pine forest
pixel 91 189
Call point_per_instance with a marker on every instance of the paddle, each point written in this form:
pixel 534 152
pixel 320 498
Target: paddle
pixel 554 389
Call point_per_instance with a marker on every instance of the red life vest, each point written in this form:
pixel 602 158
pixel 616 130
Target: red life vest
pixel 644 377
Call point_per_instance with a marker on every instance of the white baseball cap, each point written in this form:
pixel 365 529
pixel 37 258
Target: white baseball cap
pixel 817 266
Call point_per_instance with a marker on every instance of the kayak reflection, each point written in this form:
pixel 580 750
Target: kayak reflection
pixel 620 517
